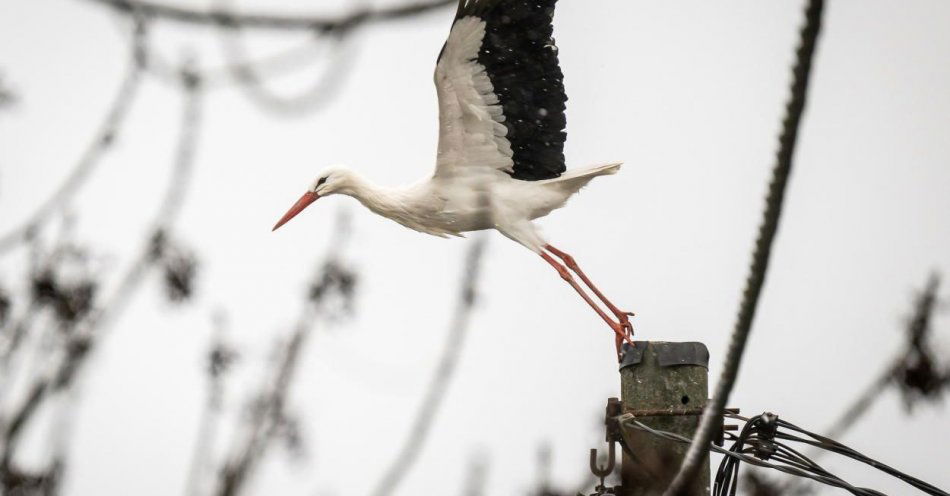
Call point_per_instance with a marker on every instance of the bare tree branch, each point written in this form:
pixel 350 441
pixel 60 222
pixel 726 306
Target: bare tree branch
pixel 7 96
pixel 907 363
pixel 918 335
pixel 268 409
pixel 441 380
pixel 252 81
pixel 476 476
pixel 220 359
pixel 272 21
pixel 101 142
pixel 88 332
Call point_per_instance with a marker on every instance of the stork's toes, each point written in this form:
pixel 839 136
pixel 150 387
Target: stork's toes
pixel 624 332
pixel 623 317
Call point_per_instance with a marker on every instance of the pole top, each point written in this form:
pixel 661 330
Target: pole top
pixel 667 354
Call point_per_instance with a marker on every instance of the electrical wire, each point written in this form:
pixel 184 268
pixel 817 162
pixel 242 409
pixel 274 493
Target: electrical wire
pixel 825 443
pixel 752 460
pixel 762 436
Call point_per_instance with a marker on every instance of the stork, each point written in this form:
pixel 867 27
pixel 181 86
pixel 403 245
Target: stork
pixel 500 160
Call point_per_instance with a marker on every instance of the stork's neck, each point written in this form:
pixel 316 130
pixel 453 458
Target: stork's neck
pixel 392 202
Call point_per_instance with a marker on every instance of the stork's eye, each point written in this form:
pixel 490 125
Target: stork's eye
pixel 321 181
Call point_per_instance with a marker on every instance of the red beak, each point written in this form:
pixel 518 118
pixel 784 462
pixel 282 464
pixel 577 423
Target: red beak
pixel 304 201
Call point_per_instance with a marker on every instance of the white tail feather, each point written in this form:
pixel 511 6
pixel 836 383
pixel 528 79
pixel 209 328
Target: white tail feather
pixel 573 180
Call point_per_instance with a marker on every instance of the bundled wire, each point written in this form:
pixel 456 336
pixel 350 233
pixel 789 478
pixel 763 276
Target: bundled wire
pixel 758 439
pixel 760 443
pixel 833 446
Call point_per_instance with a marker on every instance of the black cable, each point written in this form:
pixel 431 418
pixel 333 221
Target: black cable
pixel 841 449
pixel 762 438
pixel 827 480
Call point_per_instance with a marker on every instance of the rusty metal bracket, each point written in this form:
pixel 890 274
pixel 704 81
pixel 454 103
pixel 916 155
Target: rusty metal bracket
pixel 615 408
pixel 663 412
pixel 612 425
pixel 720 438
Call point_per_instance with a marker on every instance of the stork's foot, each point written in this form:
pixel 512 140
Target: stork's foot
pixel 623 318
pixel 623 331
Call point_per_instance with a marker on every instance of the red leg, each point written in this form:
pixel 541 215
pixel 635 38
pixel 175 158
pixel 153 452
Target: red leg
pixel 618 327
pixel 571 264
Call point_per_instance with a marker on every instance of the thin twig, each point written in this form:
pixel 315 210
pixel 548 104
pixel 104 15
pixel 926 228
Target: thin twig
pixel 760 259
pixel 168 210
pixel 862 404
pixel 476 476
pixel 268 414
pixel 917 334
pixel 7 96
pixel 406 457
pixel 101 142
pixel 219 360
pixel 273 65
pixel 274 21
pixel 252 82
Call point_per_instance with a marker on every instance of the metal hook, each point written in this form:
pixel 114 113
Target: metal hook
pixel 599 471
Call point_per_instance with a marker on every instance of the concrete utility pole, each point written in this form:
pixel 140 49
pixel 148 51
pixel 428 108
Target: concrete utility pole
pixel 664 386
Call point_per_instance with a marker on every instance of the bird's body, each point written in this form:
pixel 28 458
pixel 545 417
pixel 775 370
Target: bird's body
pixel 500 161
pixel 447 207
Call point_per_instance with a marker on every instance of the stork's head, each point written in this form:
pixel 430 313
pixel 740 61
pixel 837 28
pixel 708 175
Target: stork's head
pixel 333 180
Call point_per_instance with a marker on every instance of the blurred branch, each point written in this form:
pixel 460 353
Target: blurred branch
pixel 919 375
pixel 855 412
pixel 168 210
pixel 272 21
pixel 250 74
pixel 60 287
pixel 756 484
pixel 7 96
pixel 267 414
pixel 476 476
pixel 914 372
pixel 544 486
pixel 101 142
pixel 441 379
pixel 712 415
pixel 90 329
pixel 157 65
pixel 252 82
pixel 5 305
pixel 220 360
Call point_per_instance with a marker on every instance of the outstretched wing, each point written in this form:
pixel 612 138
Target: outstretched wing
pixel 501 91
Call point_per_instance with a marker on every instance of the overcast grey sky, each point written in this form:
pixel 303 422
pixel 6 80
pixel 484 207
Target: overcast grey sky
pixel 688 94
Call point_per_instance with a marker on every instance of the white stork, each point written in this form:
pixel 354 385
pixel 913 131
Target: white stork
pixel 500 161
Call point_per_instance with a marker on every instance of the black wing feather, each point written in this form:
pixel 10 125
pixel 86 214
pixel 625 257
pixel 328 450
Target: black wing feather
pixel 520 57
